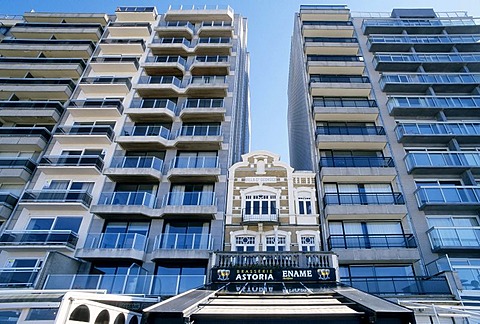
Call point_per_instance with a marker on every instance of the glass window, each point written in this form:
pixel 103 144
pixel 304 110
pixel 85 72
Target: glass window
pixel 304 205
pixel 42 314
pixel 308 243
pixel 260 204
pixel 10 316
pixel 275 244
pixel 245 243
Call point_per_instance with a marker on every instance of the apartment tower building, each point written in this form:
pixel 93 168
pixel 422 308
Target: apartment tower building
pixel 384 108
pixel 117 134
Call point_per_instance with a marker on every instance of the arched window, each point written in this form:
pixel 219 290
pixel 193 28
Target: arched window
pixel 103 317
pixel 80 314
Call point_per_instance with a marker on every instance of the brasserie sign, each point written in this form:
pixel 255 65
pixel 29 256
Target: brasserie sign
pixel 274 275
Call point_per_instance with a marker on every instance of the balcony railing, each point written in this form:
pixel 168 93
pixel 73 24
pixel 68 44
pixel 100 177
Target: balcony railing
pixel 203 103
pixel 150 285
pixel 146 131
pixel 454 237
pixel 115 41
pixel 183 242
pixel 137 162
pixel 371 241
pixel 427 39
pixel 417 22
pixel 115 59
pixel 451 78
pixel 452 195
pixel 38 81
pixel 356 162
pixel 437 129
pixel 275 259
pixel 127 198
pixel 171 40
pixel 216 23
pixel 57 196
pixel 73 161
pixel 194 162
pixel 160 80
pixel 154 103
pixel 195 198
pixel 18 277
pixel 217 79
pixel 433 102
pixel 343 102
pixel 260 215
pixel 85 130
pixel 350 130
pixel 55 43
pixel 214 40
pixel 17 163
pixel 400 285
pixel 199 130
pixel 442 160
pixel 427 58
pixel 7 199
pixel 166 59
pixel 132 241
pixel 107 80
pixel 97 103
pixel 334 58
pixel 55 25
pixel 34 105
pixel 330 40
pixel 39 237
pixel 370 198
pixel 177 24
pixel 327 23
pixel 42 132
pixel 212 59
pixel 135 9
pixel 338 79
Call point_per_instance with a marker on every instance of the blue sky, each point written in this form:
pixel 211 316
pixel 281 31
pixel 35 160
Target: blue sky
pixel 270 28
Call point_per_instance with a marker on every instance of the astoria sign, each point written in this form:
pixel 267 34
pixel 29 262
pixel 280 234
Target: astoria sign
pixel 272 274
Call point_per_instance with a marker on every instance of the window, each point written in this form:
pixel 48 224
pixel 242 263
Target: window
pixel 260 204
pixel 196 160
pixel 179 277
pixel 275 243
pixel 245 243
pixel 42 314
pixel 366 235
pixel 186 235
pixel 304 205
pixel 455 231
pixel 10 316
pixel 191 194
pixel 63 223
pixel 123 234
pixel 308 243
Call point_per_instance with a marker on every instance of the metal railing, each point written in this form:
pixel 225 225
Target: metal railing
pixel 57 196
pixel 195 198
pixel 335 58
pixel 137 162
pixel 159 131
pixel 441 159
pixel 437 129
pixel 371 241
pixel 203 103
pixel 160 80
pixel 208 79
pixel 216 23
pixel 39 237
pixel 177 24
pixel 106 80
pixel 330 40
pixel 115 59
pixel 194 162
pixel 400 285
pixel 433 102
pixel 18 277
pixel 127 198
pixel 260 215
pixel 424 39
pixel 429 58
pixel 97 103
pixel 356 162
pixel 73 161
pixel 454 195
pixel 32 105
pixel 42 132
pixel 454 237
pixel 275 259
pixel 343 102
pixel 199 130
pixel 212 59
pixel 370 198
pixel 166 59
pixel 85 130
pixel 417 22
pixel 450 78
pixel 38 81
pixel 131 241
pixel 315 78
pixel 150 285
pixel 17 163
pixel 214 40
pixel 154 103
pixel 171 40
pixel 350 130
pixel 135 9
pixel 183 242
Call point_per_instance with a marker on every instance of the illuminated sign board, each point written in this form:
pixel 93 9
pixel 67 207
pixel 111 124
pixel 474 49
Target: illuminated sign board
pixel 272 274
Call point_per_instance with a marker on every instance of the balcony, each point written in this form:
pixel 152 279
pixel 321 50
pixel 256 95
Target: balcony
pixel 182 246
pixel 135 169
pixel 454 239
pixel 14 67
pixel 431 62
pixel 357 169
pixel 424 43
pixel 125 203
pixel 419 26
pixel 442 163
pixel 428 133
pixel 99 108
pixel 327 28
pixel 430 106
pixel 215 28
pixel 275 260
pixel 371 241
pixel 208 86
pixel 24 138
pixel 16 169
pixel 149 285
pixel 420 83
pixel 171 46
pixel 38 239
pixel 7 203
pixel 113 246
pixel 203 109
pixel 367 198
pixel 260 216
pixel 210 65
pixel 58 17
pixel 331 46
pixel 136 14
pixel 457 198
pixel 199 137
pixel 48 200
pixel 129 29
pixel 68 164
pixel 339 86
pixel 360 138
pixel 152 110
pixel 400 286
pixel 113 46
pixel 36 88
pixel 194 169
pixel 31 111
pixel 86 134
pixel 193 204
pixel 199 13
pixel 165 65
pixel 113 65
pixel 335 67
pixel 58 30
pixel 324 13
pixel 18 277
pixel 344 109
pixel 113 86
pixel 144 138
pixel 159 86
pixel 183 29
pixel 50 48
pixel 214 46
